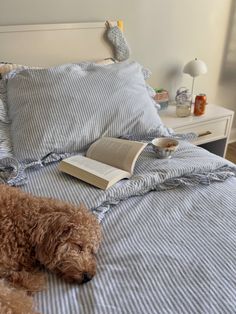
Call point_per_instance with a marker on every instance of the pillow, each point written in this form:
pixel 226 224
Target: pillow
pixel 5 142
pixel 3 100
pixel 66 108
pixel 9 69
pixel 6 67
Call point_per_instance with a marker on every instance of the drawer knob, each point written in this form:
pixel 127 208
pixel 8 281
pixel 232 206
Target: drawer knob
pixel 204 133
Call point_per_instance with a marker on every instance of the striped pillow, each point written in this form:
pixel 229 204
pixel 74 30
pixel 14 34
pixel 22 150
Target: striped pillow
pixel 66 108
pixel 6 67
pixel 5 142
pixel 3 102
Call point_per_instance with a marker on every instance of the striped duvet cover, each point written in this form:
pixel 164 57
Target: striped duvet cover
pixel 168 251
pixel 169 232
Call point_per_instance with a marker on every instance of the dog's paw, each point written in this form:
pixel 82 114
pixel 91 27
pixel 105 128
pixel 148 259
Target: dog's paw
pixel 30 282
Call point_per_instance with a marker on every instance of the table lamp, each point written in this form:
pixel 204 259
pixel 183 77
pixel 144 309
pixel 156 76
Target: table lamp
pixel 195 68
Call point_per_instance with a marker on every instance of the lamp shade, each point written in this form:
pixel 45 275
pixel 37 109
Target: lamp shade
pixel 195 68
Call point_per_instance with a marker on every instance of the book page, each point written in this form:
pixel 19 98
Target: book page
pixel 92 171
pixel 116 152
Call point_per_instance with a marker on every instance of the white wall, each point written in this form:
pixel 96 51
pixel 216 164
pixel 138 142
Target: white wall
pixel 163 34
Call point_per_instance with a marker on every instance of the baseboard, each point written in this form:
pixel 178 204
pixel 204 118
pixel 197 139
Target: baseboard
pixel 232 137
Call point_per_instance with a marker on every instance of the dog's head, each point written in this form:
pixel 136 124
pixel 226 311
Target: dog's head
pixel 67 243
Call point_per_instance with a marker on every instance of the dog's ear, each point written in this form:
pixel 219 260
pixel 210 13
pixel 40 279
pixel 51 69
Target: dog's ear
pixel 50 230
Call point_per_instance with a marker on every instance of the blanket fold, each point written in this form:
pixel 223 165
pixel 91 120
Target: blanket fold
pixel 190 165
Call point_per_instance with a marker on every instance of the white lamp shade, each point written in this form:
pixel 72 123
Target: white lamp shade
pixel 195 68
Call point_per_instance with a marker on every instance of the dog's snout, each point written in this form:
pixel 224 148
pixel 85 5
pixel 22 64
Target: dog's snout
pixel 86 277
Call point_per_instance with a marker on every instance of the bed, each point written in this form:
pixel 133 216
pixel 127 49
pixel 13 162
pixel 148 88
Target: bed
pixel 169 232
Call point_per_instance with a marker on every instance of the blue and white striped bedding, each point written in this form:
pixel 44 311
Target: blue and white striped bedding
pixel 66 108
pixel 166 252
pixel 5 143
pixel 190 165
pixel 171 250
pixel 169 232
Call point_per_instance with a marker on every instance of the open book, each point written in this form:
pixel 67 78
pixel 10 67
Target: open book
pixel 107 161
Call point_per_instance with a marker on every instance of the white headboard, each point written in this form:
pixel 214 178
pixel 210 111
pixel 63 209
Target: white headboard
pixel 51 44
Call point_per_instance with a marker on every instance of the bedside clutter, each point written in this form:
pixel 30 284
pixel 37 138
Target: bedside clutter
pixel 185 103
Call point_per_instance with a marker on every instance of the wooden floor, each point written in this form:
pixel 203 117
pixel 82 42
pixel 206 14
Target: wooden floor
pixel 231 152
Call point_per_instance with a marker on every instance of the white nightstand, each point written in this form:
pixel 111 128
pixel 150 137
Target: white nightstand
pixel 213 128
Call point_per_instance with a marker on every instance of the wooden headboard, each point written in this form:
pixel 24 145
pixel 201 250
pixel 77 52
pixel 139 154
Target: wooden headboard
pixel 51 44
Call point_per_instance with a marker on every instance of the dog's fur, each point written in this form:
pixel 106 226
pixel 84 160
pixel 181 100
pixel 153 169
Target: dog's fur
pixel 36 232
pixel 15 301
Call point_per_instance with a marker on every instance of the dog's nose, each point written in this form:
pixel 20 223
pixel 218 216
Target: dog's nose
pixel 86 277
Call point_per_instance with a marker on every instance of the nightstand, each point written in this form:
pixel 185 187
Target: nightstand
pixel 213 128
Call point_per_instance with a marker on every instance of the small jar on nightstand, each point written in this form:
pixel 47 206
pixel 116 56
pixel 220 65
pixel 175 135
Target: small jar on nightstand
pixel 183 109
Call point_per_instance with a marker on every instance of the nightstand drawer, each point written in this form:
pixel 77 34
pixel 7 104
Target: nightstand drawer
pixel 207 131
pixel 213 127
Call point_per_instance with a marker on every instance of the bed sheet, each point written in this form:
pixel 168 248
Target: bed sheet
pixel 166 252
pixel 190 165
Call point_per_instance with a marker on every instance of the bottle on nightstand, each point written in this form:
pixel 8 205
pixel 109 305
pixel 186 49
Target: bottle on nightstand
pixel 200 104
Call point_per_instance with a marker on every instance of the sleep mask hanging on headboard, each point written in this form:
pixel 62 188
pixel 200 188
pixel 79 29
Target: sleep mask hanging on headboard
pixel 117 39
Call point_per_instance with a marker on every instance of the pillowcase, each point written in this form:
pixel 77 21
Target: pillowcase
pixel 66 108
pixel 6 67
pixel 10 69
pixel 3 101
pixel 5 142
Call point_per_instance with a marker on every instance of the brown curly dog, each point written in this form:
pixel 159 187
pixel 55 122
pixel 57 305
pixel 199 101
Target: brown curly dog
pixel 36 232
